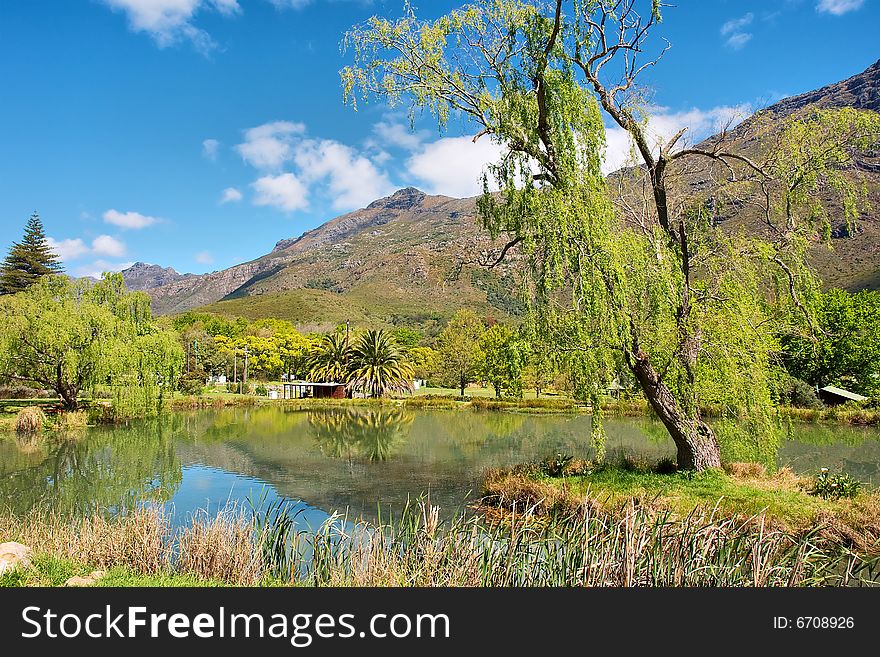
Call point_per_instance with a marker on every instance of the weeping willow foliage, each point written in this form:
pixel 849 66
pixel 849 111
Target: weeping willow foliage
pixel 703 305
pixel 73 336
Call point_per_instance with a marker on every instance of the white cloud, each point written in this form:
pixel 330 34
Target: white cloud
pixel 170 21
pixel 210 148
pixel 738 40
pixel 133 220
pixel 453 166
pixel 284 191
pixel 736 24
pixel 230 195
pixel 204 258
pixel 105 245
pixel 838 7
pixel 74 249
pixel 70 249
pixel 269 146
pixel 353 181
pixel 398 134
pixel 663 125
pixel 98 267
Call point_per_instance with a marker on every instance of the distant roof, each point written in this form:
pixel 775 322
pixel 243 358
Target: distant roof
pixel 840 392
pixel 314 383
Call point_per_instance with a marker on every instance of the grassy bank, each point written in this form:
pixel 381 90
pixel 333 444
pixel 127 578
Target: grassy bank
pixel 742 492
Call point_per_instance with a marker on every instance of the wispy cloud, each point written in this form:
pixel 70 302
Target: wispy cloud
pixel 210 149
pixel 204 258
pixel 132 220
pixel 230 195
pixel 169 22
pixel 734 30
pixel 838 7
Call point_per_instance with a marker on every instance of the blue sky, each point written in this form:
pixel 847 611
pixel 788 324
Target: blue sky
pixel 197 133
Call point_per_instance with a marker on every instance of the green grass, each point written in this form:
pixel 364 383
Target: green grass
pixel 780 498
pixel 52 571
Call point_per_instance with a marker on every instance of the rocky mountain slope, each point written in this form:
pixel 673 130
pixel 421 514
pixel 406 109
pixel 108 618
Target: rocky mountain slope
pixel 142 276
pixel 403 259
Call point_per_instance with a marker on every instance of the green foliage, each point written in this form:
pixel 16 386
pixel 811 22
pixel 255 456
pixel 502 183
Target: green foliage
pixel 28 260
pixel 799 394
pixel 378 366
pixel 458 347
pixel 330 359
pixel 504 356
pixel 260 390
pixel 407 338
pixel 192 383
pixel 835 486
pixel 844 349
pixel 69 336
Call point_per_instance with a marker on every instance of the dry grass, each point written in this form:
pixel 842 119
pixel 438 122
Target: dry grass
pixel 519 491
pixel 30 420
pixel 222 548
pixel 71 420
pixel 746 470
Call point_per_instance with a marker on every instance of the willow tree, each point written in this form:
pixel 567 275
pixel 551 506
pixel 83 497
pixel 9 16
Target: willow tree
pixel 644 279
pixel 72 336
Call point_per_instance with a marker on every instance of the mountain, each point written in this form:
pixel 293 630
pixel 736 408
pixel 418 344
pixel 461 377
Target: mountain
pixel 405 259
pixel 144 277
pixel 397 261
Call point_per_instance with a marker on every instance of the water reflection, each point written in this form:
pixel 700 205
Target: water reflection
pixel 356 433
pixel 109 467
pixel 339 459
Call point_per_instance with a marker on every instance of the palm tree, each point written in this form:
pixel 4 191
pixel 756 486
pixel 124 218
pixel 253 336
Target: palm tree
pixel 378 366
pixel 330 359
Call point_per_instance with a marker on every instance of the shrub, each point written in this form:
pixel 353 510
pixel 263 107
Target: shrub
pixel 799 394
pixel 261 390
pixel 30 420
pixel 835 486
pixel 231 387
pixel 192 383
pixel 72 420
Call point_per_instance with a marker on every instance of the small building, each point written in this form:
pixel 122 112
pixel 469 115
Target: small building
pixel 833 396
pixel 316 389
pixel 217 379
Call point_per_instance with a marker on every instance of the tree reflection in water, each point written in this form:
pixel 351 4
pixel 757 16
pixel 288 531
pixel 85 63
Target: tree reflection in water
pixel 110 468
pixel 352 433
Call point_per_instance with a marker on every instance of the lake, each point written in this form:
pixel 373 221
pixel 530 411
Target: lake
pixel 339 459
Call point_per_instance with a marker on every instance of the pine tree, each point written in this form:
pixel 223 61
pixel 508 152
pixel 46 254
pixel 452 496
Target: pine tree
pixel 29 259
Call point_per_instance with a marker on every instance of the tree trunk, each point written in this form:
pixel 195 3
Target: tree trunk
pixel 69 397
pixel 694 439
pixel 462 382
